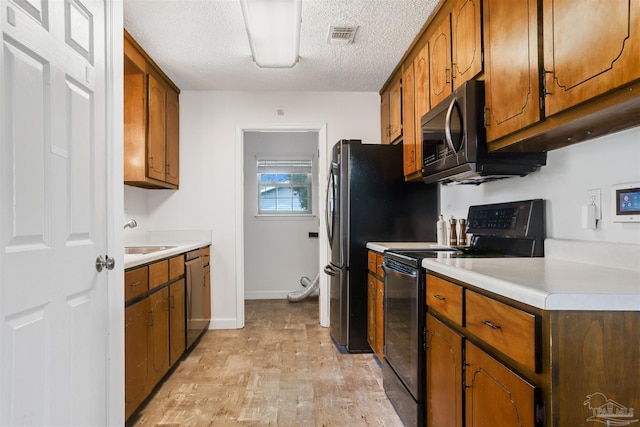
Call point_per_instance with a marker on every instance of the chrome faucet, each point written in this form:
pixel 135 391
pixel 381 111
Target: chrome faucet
pixel 131 223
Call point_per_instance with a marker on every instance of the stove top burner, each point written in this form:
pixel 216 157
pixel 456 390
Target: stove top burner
pixel 514 229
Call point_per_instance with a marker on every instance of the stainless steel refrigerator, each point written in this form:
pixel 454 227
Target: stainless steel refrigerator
pixel 368 200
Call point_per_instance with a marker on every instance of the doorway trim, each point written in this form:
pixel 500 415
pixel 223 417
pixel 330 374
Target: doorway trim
pixel 239 194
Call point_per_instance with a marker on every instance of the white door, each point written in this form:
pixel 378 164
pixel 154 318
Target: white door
pixel 53 213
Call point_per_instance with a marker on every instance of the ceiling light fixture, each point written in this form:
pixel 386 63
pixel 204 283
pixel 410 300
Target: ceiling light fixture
pixel 273 27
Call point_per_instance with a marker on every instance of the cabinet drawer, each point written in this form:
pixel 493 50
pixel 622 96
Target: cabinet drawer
pixel 445 298
pixel 508 329
pixel 176 267
pixel 206 255
pixel 379 261
pixel 371 257
pixel 158 274
pixel 136 282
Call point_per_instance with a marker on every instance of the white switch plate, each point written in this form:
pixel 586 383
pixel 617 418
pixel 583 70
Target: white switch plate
pixel 593 197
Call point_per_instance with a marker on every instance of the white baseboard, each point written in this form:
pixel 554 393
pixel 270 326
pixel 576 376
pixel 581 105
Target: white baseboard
pixel 230 323
pixel 265 294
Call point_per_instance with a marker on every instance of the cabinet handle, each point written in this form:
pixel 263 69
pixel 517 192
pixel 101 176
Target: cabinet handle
pixel 133 285
pixel 172 304
pixel 489 324
pixel 447 74
pixel 544 82
pixel 168 167
pixel 439 297
pixel 150 318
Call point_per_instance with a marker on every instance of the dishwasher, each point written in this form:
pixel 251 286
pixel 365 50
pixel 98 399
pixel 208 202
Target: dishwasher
pixel 196 322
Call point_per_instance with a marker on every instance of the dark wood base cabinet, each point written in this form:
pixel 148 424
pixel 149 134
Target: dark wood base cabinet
pixel 585 369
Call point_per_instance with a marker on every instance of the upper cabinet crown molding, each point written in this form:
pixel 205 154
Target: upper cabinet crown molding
pixel 151 121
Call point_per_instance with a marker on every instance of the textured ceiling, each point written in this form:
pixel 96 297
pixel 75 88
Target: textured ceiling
pixel 202 44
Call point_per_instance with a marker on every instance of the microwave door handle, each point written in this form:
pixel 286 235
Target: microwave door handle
pixel 447 127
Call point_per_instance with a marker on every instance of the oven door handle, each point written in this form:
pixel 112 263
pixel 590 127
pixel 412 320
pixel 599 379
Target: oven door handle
pixel 394 272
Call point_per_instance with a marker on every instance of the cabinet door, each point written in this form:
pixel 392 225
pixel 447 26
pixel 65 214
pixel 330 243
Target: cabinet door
pixel 157 129
pixel 136 325
pixel 135 120
pixel 177 319
pixel 172 162
pixel 395 111
pixel 444 375
pixel 380 319
pixel 466 41
pixel 496 396
pixel 590 48
pixel 512 84
pixel 408 121
pixel 206 297
pixel 440 62
pixel 371 311
pixel 421 102
pixel 384 118
pixel 158 337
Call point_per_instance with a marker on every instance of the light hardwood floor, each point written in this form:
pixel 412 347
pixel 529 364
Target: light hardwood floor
pixel 281 369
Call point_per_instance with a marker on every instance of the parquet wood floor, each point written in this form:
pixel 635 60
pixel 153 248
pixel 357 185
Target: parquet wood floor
pixel 281 369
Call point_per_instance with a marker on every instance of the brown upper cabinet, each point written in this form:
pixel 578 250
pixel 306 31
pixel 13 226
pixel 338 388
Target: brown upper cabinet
pixel 556 72
pixel 151 122
pixel 590 48
pixel 391 112
pixel 512 88
pixel 440 62
pixel 415 103
pixel 455 49
pixel 408 121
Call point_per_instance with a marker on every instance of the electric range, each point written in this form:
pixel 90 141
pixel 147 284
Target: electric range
pixel 514 229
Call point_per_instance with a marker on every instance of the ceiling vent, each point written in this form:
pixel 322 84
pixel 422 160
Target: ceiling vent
pixel 342 35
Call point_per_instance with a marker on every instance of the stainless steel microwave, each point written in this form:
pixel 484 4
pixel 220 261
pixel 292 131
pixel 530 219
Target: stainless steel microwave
pixel 454 147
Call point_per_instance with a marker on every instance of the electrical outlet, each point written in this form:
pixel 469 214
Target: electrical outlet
pixel 593 198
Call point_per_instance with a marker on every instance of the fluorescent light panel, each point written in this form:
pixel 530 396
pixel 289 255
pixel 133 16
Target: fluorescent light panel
pixel 273 27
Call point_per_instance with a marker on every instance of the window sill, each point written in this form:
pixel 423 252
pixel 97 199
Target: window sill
pixel 285 217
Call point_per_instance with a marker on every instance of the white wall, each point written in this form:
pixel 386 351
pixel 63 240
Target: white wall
pixel 209 123
pixel 207 195
pixel 563 183
pixel 277 249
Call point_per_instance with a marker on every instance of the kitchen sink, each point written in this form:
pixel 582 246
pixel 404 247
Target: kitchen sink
pixel 143 250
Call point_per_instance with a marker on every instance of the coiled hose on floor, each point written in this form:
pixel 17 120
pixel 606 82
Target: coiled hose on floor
pixel 310 288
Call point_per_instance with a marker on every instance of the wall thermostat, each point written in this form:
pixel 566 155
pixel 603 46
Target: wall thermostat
pixel 625 204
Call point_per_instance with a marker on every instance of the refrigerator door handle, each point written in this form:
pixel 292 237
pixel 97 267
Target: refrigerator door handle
pixel 331 270
pixel 328 209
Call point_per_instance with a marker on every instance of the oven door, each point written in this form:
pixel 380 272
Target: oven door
pixel 404 324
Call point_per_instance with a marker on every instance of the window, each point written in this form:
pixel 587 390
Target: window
pixel 284 187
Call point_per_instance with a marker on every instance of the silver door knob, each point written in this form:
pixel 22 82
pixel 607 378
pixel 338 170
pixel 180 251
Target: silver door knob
pixel 105 262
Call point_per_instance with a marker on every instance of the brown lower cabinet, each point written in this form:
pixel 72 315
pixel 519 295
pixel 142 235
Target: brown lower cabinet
pixel 514 365
pixel 375 304
pixel 135 367
pixel 177 321
pixel 158 336
pixel 444 375
pixel 155 324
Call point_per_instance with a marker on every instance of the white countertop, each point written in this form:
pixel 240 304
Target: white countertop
pixel 183 240
pixel 383 246
pixel 178 247
pixel 572 276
